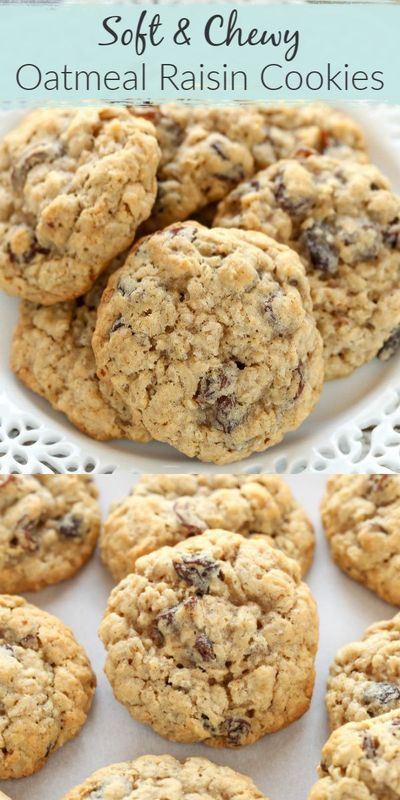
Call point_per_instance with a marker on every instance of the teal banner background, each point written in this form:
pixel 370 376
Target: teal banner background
pixel 360 40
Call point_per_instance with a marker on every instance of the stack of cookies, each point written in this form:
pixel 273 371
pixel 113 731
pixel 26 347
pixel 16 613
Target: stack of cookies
pixel 191 274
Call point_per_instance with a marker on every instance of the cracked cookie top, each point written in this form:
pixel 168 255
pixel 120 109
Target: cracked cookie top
pixel 165 509
pixel 207 150
pixel 148 776
pixel 209 334
pixel 74 186
pixel 343 220
pixel 361 761
pixel 52 354
pixel 361 516
pixel 212 640
pixel 46 686
pixel 49 525
pixel 364 679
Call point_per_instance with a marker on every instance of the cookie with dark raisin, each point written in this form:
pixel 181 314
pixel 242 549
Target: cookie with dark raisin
pixel 74 186
pixel 166 509
pixel 209 335
pixel 207 150
pixel 361 761
pixel 212 640
pixel 52 354
pixel 364 679
pixel 361 516
pixel 49 525
pixel 343 220
pixel 142 779
pixel 46 686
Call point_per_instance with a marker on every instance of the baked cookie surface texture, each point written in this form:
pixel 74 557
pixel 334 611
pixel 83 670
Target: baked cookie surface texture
pixel 343 220
pixel 46 686
pixel 361 517
pixel 166 509
pixel 74 186
pixel 212 640
pixel 49 525
pixel 209 335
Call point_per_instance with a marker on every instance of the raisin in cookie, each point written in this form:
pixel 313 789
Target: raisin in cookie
pixel 344 221
pixel 152 776
pixel 46 686
pixel 212 640
pixel 207 150
pixel 361 761
pixel 165 509
pixel 361 516
pixel 49 525
pixel 209 334
pixel 364 679
pixel 52 354
pixel 74 186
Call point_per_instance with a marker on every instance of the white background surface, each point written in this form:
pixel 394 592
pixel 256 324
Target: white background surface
pixel 282 764
pixel 339 415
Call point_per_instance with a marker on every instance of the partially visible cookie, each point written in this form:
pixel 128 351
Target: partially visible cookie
pixel 343 220
pixel 46 686
pixel 74 186
pixel 165 509
pixel 207 150
pixel 49 525
pixel 212 640
pixel 361 516
pixel 364 679
pixel 4 796
pixel 151 777
pixel 209 335
pixel 52 354
pixel 361 761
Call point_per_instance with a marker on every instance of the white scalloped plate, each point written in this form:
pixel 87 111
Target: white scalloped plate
pixel 330 439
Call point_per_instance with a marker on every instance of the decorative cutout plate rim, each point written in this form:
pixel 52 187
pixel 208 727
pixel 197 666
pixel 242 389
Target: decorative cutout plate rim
pixel 362 436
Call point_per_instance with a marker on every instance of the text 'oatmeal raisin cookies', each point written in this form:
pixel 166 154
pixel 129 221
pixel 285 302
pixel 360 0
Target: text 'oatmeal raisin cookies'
pixel 74 186
pixel 361 761
pixel 209 334
pixel 166 509
pixel 46 686
pixel 207 150
pixel 361 517
pixel 52 354
pixel 49 525
pixel 212 640
pixel 152 776
pixel 364 679
pixel 343 220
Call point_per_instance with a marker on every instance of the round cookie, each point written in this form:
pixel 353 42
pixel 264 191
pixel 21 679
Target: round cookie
pixel 52 354
pixel 361 761
pixel 212 640
pixel 148 776
pixel 49 525
pixel 364 679
pixel 361 516
pixel 209 334
pixel 74 186
pixel 207 150
pixel 166 509
pixel 46 686
pixel 343 220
